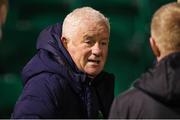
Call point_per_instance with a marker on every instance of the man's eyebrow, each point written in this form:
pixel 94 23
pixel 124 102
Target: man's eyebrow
pixel 88 36
pixel 105 38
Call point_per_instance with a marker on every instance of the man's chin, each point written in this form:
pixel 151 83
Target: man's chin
pixel 93 73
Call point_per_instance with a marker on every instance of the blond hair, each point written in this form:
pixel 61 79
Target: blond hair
pixel 73 19
pixel 4 2
pixel 3 11
pixel 165 27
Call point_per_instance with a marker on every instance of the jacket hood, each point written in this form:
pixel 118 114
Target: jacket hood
pixel 51 55
pixel 163 81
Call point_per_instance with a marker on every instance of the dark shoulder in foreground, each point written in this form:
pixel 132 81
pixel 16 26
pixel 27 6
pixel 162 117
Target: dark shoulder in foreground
pixel 136 104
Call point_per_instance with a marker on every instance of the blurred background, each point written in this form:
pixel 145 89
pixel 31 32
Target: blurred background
pixel 129 52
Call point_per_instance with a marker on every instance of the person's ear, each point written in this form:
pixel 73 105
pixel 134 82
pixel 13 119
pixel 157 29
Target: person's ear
pixel 64 41
pixel 154 47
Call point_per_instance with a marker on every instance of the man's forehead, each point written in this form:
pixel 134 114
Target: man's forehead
pixel 94 35
pixel 93 25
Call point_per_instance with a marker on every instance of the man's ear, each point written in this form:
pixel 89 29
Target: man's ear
pixel 154 47
pixel 64 41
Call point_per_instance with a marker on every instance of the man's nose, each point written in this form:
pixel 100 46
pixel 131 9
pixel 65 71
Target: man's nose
pixel 96 49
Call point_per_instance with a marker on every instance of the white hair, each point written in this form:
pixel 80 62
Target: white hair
pixel 73 19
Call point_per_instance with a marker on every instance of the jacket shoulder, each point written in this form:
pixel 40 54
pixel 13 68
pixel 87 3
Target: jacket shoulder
pixel 40 98
pixel 126 103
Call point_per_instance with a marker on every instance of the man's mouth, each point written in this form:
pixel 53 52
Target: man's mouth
pixel 94 61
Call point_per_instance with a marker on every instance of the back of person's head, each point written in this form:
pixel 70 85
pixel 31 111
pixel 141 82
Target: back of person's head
pixel 3 14
pixel 3 11
pixel 165 28
pixel 82 15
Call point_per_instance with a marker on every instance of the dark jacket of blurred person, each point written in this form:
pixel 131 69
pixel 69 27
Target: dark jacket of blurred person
pixel 55 88
pixel 156 94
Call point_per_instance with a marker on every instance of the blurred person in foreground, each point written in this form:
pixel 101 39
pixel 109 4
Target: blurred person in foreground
pixel 156 94
pixel 3 14
pixel 65 79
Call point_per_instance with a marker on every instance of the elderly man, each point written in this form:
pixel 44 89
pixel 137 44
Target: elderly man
pixel 65 79
pixel 157 93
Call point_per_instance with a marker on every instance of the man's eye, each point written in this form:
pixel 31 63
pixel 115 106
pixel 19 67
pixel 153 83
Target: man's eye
pixel 103 43
pixel 89 42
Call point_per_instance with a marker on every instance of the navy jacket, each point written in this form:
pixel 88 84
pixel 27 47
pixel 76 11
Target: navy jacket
pixel 55 88
pixel 156 94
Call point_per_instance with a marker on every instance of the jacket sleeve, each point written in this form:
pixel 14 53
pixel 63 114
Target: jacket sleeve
pixel 39 99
